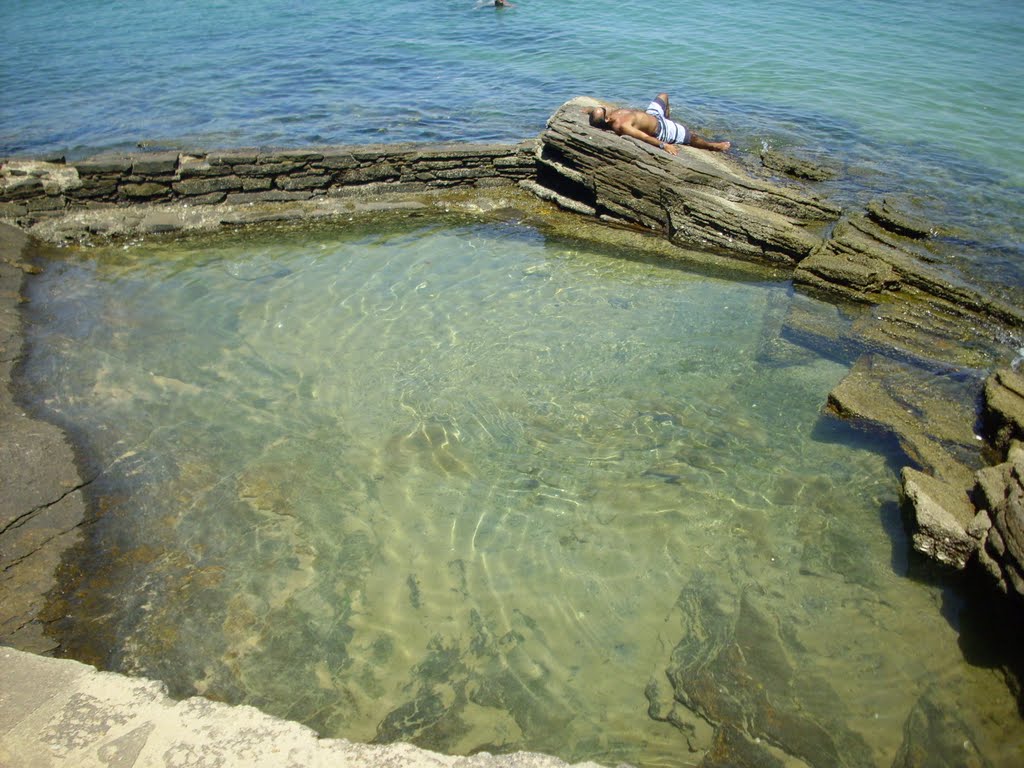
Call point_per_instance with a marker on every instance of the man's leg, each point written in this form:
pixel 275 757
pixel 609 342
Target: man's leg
pixel 663 98
pixel 692 139
pixel 699 142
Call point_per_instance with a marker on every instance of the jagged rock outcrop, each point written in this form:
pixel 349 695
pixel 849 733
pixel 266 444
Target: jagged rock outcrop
pixel 1003 413
pixel 952 525
pixel 943 513
pixel 883 257
pixel 999 494
pixel 795 167
pixel 697 198
pixel 886 257
pixel 1000 526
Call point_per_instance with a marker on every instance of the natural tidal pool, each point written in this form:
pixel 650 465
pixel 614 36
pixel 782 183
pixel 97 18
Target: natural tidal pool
pixel 461 484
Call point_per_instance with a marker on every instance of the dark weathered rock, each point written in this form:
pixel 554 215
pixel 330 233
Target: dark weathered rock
pixel 309 181
pixel 22 187
pixel 888 216
pixel 233 157
pixel 935 737
pixel 155 163
pixel 732 749
pixel 1000 495
pixel 146 191
pixel 204 186
pixel 104 164
pixel 696 198
pixel 1003 411
pixel 193 167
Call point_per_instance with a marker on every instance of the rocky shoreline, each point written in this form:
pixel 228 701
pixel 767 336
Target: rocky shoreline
pixel 934 355
pixel 924 339
pixel 41 501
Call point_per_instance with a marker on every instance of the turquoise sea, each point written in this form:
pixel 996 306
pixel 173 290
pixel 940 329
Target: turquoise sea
pixel 472 485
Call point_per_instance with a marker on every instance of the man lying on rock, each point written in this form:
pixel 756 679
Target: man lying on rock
pixel 652 126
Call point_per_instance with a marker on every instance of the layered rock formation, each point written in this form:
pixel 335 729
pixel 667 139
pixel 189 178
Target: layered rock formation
pixel 880 256
pixel 696 199
pixel 160 192
pixel 998 527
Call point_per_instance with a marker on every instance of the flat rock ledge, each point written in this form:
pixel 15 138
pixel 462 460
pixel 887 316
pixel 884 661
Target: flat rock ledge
pixel 58 712
pixel 41 491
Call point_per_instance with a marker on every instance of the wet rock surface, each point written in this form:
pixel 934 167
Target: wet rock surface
pixel 41 502
pixel 734 669
pixel 936 737
pixel 1003 410
pixel 796 167
pixel 942 514
pixel 999 525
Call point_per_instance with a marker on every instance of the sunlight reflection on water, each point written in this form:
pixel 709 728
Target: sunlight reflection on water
pixel 463 486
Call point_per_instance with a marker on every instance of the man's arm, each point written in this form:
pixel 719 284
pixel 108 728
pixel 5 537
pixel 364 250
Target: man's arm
pixel 628 129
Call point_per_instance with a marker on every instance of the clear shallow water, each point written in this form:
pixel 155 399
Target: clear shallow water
pixel 918 100
pixel 458 485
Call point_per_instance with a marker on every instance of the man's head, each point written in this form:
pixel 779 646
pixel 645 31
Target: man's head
pixel 598 117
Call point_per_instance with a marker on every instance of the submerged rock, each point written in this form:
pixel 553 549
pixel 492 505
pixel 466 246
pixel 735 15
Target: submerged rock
pixel 888 216
pixel 796 167
pixel 929 412
pixel 734 669
pixel 934 737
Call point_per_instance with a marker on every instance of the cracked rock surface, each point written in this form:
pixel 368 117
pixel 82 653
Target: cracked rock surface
pixel 40 488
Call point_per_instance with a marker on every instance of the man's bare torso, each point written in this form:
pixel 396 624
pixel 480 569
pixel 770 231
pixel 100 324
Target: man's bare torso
pixel 618 119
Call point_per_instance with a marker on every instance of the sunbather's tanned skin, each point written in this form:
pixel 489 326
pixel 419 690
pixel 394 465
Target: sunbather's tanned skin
pixel 644 126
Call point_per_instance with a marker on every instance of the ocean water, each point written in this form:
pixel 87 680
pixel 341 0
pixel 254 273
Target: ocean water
pixel 918 100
